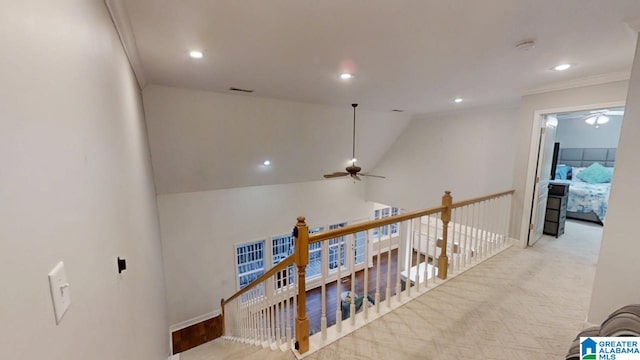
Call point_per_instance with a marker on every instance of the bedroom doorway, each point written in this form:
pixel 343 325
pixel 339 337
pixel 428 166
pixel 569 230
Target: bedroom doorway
pixel 575 154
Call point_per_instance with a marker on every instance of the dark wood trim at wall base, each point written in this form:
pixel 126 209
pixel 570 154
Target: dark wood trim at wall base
pixel 197 334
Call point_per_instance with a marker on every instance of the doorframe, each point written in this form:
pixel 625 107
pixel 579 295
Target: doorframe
pixel 538 118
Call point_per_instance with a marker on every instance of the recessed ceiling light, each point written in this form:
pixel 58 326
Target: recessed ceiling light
pixel 561 67
pixel 457 100
pixel 397 110
pixel 267 163
pixel 346 76
pixel 195 54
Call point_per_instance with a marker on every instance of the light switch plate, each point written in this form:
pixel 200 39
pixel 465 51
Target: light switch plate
pixel 60 292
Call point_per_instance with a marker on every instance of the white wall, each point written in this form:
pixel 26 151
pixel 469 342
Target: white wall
pixel 470 153
pixel 573 133
pixel 553 102
pixel 204 140
pixel 616 280
pixel 199 231
pixel 76 186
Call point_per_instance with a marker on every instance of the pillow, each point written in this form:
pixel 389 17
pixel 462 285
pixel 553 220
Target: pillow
pixel 595 174
pixel 563 172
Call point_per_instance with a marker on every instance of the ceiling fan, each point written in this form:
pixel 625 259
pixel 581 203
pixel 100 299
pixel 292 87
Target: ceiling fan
pixel 353 170
pixel 599 117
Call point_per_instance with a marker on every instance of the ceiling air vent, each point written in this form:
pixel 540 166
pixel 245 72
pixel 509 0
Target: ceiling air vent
pixel 240 90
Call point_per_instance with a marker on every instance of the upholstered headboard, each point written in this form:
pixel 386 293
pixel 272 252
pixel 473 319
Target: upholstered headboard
pixel 583 157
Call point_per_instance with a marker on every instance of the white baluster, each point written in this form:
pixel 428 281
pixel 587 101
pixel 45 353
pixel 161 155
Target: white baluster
pixel 245 326
pixel 501 223
pixel 426 253
pixel 287 311
pixel 507 219
pixel 324 268
pixel 338 291
pixel 352 261
pixel 484 229
pixel 418 260
pixel 489 228
pixel 248 338
pixel 276 314
pixel 253 311
pixel 466 247
pixel 295 302
pixel 494 226
pixel 377 296
pixel 366 275
pixel 452 242
pixel 479 231
pixel 409 263
pixel 388 288
pixel 247 309
pixel 272 317
pixel 402 241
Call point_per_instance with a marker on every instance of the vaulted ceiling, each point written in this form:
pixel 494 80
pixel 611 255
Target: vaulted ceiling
pixel 412 55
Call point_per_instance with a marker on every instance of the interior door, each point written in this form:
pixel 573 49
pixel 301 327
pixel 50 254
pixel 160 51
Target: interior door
pixel 543 177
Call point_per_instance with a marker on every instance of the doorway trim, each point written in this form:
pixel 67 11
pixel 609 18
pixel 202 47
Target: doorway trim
pixel 538 117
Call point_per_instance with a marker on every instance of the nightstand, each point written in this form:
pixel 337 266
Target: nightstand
pixel 556 213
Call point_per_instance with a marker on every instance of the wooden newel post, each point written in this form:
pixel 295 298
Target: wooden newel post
pixel 443 261
pixel 301 233
pixel 222 315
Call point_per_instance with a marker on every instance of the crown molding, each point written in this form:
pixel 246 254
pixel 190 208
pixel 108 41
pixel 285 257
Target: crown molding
pixel 576 83
pixel 633 23
pixel 125 32
pixel 507 105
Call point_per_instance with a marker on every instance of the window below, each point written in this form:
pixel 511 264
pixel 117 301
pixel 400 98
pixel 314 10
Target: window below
pixel 384 230
pixel 281 247
pixel 250 260
pixel 336 249
pixel 314 268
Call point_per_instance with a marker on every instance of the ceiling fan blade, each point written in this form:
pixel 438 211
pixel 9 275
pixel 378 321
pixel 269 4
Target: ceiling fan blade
pixel 355 176
pixel 335 174
pixel 376 176
pixel 614 112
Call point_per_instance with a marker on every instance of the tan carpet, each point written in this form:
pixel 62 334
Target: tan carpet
pixel 521 304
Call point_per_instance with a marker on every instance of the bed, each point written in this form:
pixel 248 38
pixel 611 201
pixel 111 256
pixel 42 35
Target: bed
pixel 587 201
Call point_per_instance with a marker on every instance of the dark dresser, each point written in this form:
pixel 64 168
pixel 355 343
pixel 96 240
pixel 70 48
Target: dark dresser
pixel 556 213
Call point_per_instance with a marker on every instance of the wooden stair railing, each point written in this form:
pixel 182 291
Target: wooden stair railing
pixel 473 223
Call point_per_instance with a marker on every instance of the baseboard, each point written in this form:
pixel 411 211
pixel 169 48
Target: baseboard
pixel 193 321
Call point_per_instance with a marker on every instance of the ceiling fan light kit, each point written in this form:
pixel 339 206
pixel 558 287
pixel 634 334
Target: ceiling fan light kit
pixel 353 170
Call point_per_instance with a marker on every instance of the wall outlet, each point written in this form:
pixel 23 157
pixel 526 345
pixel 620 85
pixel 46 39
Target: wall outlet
pixel 60 291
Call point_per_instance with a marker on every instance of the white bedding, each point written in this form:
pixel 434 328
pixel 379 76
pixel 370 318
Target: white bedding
pixel 585 197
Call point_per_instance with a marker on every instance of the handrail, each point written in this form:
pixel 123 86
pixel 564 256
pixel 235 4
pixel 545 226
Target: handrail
pixel 481 199
pixel 330 234
pixel 279 267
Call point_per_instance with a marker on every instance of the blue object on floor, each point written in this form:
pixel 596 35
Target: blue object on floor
pixel 346 305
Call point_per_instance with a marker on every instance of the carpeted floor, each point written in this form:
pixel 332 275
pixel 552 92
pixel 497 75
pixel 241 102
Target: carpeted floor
pixel 521 304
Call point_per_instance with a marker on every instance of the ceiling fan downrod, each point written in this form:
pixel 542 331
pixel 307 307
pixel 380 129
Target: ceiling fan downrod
pixel 353 152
